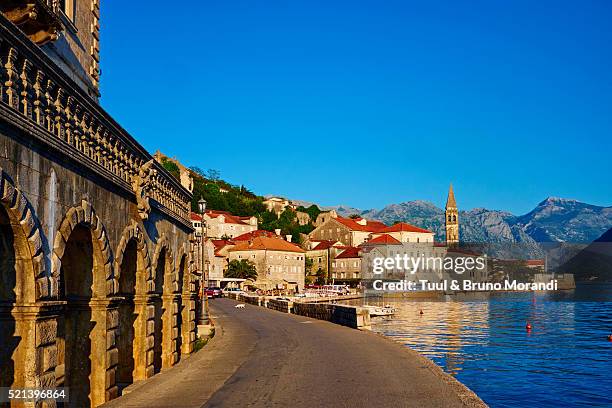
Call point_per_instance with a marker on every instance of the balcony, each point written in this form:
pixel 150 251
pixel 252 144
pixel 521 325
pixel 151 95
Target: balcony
pixel 37 97
pixel 38 19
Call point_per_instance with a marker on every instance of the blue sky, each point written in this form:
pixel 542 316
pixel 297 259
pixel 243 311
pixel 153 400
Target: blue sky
pixel 367 103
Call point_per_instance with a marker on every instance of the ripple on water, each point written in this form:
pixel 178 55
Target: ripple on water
pixel 564 360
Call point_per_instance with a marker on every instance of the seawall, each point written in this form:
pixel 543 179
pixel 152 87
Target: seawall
pixel 350 316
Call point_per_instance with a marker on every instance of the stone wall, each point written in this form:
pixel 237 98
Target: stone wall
pixel 48 198
pixel 355 317
pixel 280 305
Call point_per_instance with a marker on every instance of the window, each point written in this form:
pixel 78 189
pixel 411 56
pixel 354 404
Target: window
pixel 69 8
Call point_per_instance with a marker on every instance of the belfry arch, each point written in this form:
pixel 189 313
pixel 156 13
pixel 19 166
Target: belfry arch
pixel 82 259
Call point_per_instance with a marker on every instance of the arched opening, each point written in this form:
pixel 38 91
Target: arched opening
pixel 160 311
pixel 131 338
pixel 181 309
pixel 9 341
pixel 17 367
pixel 82 330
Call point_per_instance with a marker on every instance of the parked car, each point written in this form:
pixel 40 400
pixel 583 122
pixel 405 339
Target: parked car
pixel 213 292
pixel 232 290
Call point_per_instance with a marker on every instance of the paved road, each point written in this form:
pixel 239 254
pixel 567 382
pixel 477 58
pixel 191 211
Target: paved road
pixel 264 358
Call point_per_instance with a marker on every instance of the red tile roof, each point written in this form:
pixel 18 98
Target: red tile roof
pixel 535 262
pixel 324 244
pixel 254 234
pixel 229 218
pixel 195 217
pixel 370 226
pixel 405 227
pixel 266 243
pixel 350 252
pixel 383 240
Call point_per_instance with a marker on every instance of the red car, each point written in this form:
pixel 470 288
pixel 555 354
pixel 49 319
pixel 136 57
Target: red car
pixel 213 292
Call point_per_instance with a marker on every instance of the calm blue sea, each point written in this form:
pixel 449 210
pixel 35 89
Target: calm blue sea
pixel 565 360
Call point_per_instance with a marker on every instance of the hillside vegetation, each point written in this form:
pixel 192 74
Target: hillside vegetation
pixel 239 200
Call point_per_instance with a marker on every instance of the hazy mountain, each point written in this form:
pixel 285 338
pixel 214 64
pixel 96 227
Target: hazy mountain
pixel 593 263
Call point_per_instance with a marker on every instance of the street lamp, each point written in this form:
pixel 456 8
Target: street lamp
pixel 204 318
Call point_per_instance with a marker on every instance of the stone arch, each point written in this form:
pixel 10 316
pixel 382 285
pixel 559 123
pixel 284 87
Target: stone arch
pixel 182 274
pixel 133 232
pixel 164 248
pixel 27 229
pixel 23 281
pixel 85 215
pixel 133 280
pixel 165 306
pixel 182 303
pixel 82 265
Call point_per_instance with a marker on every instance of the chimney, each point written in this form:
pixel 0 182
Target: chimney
pixel 277 231
pixel 288 238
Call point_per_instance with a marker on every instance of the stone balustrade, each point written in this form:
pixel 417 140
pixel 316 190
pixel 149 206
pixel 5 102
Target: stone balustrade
pixel 37 97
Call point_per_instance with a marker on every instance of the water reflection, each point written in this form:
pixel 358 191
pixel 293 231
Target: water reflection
pixel 485 344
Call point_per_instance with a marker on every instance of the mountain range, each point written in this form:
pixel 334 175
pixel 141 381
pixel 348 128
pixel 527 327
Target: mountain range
pixel 553 220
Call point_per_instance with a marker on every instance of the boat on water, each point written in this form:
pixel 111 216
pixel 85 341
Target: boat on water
pixel 380 310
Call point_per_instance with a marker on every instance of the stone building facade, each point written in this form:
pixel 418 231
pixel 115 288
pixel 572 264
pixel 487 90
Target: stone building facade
pixel 96 279
pixel 222 224
pixel 278 262
pixel 346 266
pixel 349 231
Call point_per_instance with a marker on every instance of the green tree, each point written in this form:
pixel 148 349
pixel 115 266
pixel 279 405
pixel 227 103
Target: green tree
pixel 171 167
pixel 353 216
pixel 241 269
pixel 321 277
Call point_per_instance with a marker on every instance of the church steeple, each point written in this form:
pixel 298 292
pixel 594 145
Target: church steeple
pixel 451 219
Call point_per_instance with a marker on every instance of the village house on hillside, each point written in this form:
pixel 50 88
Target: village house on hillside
pixel 222 224
pixel 349 231
pixel 280 264
pixel 277 204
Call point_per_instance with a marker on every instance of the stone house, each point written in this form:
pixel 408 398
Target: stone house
pixel 222 224
pixel 351 232
pixel 302 217
pixel 277 205
pixel 346 266
pixel 280 264
pixel 322 253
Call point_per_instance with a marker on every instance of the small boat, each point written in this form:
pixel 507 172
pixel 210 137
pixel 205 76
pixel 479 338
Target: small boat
pixel 381 310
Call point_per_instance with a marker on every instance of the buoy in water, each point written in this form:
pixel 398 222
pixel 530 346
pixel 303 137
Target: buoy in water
pixel 609 337
pixel 528 326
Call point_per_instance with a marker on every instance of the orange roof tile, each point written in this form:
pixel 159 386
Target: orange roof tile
pixel 370 226
pixel 253 234
pixel 324 244
pixel 350 252
pixel 383 240
pixel 266 243
pixel 403 226
pixel 229 218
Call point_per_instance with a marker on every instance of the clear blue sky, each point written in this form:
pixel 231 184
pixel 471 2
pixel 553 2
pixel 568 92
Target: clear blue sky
pixel 367 103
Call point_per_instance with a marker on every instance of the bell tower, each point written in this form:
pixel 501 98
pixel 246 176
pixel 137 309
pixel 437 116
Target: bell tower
pixel 452 219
